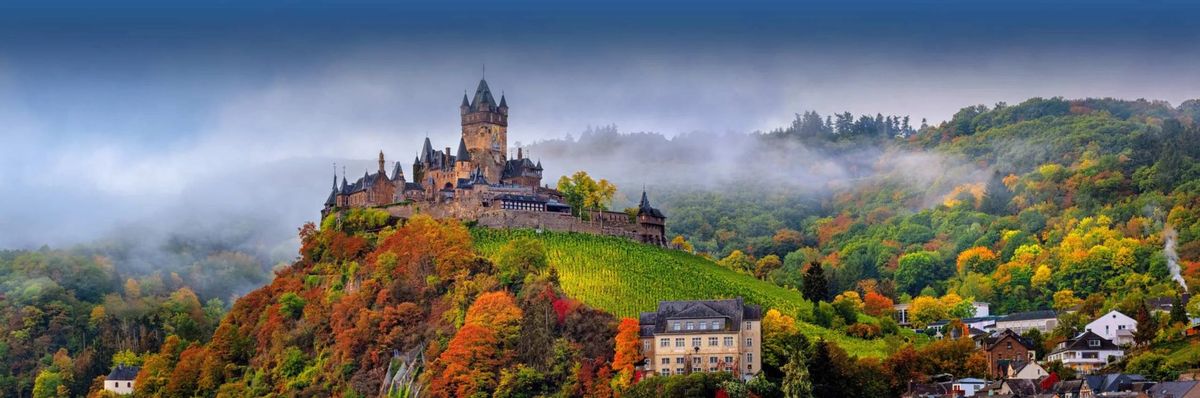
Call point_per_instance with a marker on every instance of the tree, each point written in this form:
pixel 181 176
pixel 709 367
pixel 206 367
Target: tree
pixel 766 265
pixel 520 257
pixel 1147 326
pixel 496 311
pixel 917 270
pixel 815 285
pixel 469 365
pixel 626 353
pixel 680 243
pixel 47 384
pixel 796 380
pixel 738 261
pixel 977 259
pixel 1178 312
pixel 583 193
pixel 877 305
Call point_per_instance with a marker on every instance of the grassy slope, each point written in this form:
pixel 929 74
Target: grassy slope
pixel 623 278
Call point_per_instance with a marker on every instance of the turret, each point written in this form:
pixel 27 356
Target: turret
pixel 463 155
pixel 426 151
pixel 466 105
pixel 503 105
pixel 381 171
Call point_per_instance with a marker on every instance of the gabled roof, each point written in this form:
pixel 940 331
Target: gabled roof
pixel 397 172
pixel 1113 382
pixel 1021 387
pixel 1029 315
pixel 991 341
pixel 123 373
pixel 1081 343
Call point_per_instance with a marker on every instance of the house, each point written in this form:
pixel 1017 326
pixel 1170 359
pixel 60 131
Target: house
pixel 1043 320
pixel 1114 326
pixel 120 380
pixel 1003 348
pixel 1108 384
pixel 1017 387
pixel 1072 389
pixel 1175 389
pixel 1026 370
pixel 1086 353
pixel 703 336
pixel 967 387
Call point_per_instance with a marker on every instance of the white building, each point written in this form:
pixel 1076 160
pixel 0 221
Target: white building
pixel 1044 321
pixel 120 380
pixel 982 310
pixel 1086 353
pixel 1114 326
pixel 968 387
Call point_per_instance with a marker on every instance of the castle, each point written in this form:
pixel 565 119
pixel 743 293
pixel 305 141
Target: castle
pixel 478 182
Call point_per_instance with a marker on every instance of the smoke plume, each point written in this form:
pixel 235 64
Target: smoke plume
pixel 1169 241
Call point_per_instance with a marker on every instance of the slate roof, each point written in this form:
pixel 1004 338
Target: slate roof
pixel 413 186
pixel 1029 315
pixel 1113 382
pixel 483 95
pixel 463 155
pixel 1071 387
pixel 397 172
pixel 1021 387
pixel 1172 389
pixel 990 341
pixel 123 373
pixel 519 167
pixel 645 208
pixel 735 310
pixel 1080 343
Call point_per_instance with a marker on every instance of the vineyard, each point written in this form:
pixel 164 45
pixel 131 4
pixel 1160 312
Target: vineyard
pixel 624 278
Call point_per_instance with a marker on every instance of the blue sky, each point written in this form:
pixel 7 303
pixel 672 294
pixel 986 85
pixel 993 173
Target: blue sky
pixel 118 112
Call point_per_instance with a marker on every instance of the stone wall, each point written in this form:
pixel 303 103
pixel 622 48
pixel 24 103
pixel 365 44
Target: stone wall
pixel 612 224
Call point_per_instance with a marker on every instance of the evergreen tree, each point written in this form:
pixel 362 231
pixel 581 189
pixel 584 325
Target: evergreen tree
pixel 997 197
pixel 796 381
pixel 1147 326
pixel 815 286
pixel 1178 311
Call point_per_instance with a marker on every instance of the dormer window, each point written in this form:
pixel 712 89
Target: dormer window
pixel 1093 343
pixel 675 326
pixel 689 326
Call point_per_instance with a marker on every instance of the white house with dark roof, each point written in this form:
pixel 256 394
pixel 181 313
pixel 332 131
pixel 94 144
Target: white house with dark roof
pixel 682 337
pixel 1086 353
pixel 1114 326
pixel 120 380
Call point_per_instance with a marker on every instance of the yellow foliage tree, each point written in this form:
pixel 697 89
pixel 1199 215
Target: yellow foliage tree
pixel 977 259
pixel 925 309
pixel 1041 276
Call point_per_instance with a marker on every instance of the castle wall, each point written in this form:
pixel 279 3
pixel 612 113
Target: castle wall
pixel 612 223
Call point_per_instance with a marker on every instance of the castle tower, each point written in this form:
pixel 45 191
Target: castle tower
pixel 485 131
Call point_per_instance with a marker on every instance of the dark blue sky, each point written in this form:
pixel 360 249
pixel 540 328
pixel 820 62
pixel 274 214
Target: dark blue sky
pixel 152 102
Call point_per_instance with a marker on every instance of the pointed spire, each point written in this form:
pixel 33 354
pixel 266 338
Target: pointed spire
pixel 465 103
pixel 503 101
pixel 483 95
pixel 539 165
pixel 397 172
pixel 426 151
pixel 463 155
pixel 645 200
pixel 381 162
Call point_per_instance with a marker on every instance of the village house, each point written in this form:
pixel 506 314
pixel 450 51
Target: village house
pixel 120 380
pixel 1026 370
pixel 1086 353
pixel 900 311
pixel 967 387
pixel 702 336
pixel 1003 348
pixel 1114 383
pixel 1114 326
pixel 1044 321
pixel 1072 389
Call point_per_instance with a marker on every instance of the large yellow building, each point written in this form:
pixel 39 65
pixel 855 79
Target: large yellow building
pixel 702 336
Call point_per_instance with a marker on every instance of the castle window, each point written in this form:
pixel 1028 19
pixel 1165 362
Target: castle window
pixel 712 341
pixel 664 342
pixel 695 341
pixel 749 342
pixel 679 342
pixel 729 341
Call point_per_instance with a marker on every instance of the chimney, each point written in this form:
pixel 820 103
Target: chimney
pixel 519 153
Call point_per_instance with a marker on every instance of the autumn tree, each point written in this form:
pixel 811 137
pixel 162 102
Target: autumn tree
pixel 977 259
pixel 766 265
pixel 520 257
pixel 496 311
pixel 469 365
pixel 627 353
pixel 877 305
pixel 584 193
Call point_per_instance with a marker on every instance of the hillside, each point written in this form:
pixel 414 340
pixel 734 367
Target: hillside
pixel 624 278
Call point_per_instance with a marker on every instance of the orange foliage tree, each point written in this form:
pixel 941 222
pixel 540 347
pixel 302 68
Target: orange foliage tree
pixel 875 304
pixel 626 351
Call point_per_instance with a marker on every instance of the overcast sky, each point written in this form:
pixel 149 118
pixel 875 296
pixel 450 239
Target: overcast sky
pixel 125 112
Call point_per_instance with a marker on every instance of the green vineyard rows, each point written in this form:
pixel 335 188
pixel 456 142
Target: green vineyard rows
pixel 624 278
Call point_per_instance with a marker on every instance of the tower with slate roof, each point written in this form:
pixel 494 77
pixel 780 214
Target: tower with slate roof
pixel 485 130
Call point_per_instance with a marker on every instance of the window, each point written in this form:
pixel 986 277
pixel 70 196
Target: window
pixel 1093 343
pixel 666 361
pixel 664 342
pixel 679 342
pixel 729 360
pixel 675 326
pixel 679 360
pixel 696 361
pixel 712 359
pixel 689 326
pixel 1009 345
pixel 129 384
pixel 748 325
pixel 749 357
pixel 749 342
pixel 678 371
pixel 695 341
pixel 716 324
pixel 712 341
pixel 729 341
pixel 1091 355
pixel 665 372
